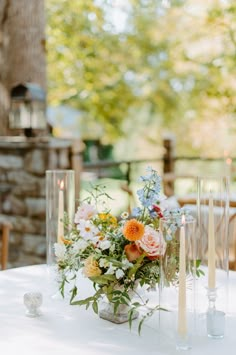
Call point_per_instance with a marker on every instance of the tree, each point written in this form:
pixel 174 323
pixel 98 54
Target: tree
pixel 22 48
pixel 103 70
pixel 148 64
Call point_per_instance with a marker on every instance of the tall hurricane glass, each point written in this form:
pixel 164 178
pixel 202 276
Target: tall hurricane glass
pixel 213 251
pixel 60 209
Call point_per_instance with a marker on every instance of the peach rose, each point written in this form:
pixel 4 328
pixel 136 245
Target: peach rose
pixel 152 243
pixel 91 267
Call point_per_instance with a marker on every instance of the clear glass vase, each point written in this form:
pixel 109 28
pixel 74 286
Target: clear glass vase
pixel 121 315
pixel 60 210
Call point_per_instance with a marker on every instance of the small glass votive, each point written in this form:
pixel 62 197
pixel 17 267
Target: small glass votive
pixel 215 324
pixel 182 342
pixel 32 301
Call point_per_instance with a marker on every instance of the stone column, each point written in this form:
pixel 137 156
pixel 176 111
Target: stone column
pixel 23 164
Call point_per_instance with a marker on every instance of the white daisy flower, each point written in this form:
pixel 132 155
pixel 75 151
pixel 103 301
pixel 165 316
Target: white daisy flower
pixel 84 211
pixel 87 230
pixel 124 215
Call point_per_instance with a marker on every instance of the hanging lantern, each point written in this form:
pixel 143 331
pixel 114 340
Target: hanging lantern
pixel 28 106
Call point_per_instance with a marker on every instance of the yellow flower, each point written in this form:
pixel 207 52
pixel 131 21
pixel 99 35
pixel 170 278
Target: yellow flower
pixel 133 230
pixel 108 218
pixel 91 267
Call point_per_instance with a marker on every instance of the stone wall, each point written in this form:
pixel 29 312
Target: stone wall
pixel 22 192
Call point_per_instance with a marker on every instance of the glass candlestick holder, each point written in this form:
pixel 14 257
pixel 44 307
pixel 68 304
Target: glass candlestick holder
pixel 215 318
pixel 182 342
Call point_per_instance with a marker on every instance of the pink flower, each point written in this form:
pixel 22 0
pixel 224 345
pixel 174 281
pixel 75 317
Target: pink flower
pixel 85 212
pixel 152 243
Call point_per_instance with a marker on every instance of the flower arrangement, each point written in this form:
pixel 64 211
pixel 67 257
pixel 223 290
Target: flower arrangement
pixel 117 254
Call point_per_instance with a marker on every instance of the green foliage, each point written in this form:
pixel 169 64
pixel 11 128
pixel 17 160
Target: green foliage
pixel 151 64
pixel 106 71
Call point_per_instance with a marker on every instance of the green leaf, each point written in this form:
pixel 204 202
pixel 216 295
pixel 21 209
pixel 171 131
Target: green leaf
pixel 116 306
pixel 123 301
pixel 103 280
pixel 198 263
pixel 95 307
pixel 82 302
pixel 126 295
pixel 73 293
pixel 136 266
pixel 140 325
pixel 131 312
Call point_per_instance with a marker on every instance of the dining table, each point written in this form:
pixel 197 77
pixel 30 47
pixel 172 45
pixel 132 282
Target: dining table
pixel 64 329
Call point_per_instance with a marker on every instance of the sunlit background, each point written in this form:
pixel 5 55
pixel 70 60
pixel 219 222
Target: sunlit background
pixel 125 73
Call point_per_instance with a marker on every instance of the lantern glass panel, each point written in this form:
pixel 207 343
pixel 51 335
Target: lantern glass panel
pixel 38 120
pixel 20 115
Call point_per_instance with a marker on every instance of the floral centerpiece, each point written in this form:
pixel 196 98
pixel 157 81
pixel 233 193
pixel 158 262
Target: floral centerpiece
pixel 119 254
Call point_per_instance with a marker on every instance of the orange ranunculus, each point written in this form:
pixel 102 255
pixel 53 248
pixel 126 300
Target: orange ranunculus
pixel 133 230
pixel 132 252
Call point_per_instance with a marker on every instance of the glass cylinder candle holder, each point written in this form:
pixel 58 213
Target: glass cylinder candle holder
pixel 213 251
pixel 177 286
pixel 60 210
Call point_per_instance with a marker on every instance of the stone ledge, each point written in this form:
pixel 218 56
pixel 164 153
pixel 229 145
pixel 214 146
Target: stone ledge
pixel 37 142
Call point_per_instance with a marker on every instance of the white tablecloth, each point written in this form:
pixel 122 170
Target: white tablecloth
pixel 69 330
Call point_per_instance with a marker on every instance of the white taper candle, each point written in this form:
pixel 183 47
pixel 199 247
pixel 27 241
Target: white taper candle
pixel 211 246
pixel 182 316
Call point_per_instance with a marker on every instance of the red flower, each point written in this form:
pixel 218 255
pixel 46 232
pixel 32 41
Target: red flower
pixel 158 210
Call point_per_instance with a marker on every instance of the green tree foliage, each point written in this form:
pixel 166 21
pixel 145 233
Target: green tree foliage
pixel 107 71
pixel 149 62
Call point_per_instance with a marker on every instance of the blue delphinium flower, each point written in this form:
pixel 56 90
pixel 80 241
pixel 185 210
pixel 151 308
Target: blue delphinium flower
pixel 136 212
pixel 150 193
pixel 173 218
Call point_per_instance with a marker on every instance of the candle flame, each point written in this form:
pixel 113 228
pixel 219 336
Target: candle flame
pixel 183 219
pixel 228 161
pixel 61 184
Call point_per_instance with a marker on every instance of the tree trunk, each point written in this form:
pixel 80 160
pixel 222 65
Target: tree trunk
pixel 22 49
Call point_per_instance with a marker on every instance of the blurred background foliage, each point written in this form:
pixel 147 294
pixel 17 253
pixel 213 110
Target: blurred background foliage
pixel 135 69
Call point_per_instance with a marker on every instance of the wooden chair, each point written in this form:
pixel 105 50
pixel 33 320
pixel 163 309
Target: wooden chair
pixel 5 227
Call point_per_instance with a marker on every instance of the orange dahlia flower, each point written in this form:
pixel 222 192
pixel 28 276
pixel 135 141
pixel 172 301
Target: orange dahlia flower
pixel 133 230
